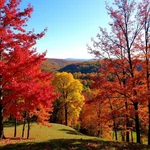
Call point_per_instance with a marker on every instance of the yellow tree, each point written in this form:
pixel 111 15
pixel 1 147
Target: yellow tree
pixel 71 99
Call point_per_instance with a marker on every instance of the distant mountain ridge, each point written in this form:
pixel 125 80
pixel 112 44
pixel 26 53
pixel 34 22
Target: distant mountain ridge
pixel 79 59
pixel 72 65
pixel 82 67
pixel 54 64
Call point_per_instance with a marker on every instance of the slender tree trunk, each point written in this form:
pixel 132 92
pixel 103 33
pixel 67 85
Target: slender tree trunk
pixel 115 131
pixel 1 97
pixel 137 124
pixel 98 126
pixel 98 121
pixel 15 129
pixel 101 131
pixel 149 124
pixel 123 135
pixel 1 121
pixel 132 136
pixel 23 128
pixel 66 115
pixel 28 131
pixel 10 117
pixel 114 122
pixel 127 124
pixel 1 106
pixel 132 131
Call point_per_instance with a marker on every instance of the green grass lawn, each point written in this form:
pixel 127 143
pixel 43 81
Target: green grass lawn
pixel 60 137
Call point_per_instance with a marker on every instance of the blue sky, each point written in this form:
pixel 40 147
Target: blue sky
pixel 70 23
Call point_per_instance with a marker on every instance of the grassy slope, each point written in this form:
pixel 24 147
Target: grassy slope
pixel 60 137
pixel 41 133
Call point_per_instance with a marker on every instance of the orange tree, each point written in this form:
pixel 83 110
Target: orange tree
pixel 127 56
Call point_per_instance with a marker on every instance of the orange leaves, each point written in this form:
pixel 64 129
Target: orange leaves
pixel 125 78
pixel 43 115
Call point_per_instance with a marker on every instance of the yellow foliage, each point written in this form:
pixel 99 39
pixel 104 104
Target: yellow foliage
pixel 71 97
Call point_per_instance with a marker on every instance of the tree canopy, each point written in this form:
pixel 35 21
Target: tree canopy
pixel 71 99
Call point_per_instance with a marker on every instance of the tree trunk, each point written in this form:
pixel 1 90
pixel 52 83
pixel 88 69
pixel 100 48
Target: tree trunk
pixel 15 129
pixel 1 121
pixel 116 137
pixel 98 129
pixel 137 124
pixel 114 122
pixel 66 115
pixel 1 109
pixel 123 135
pixel 149 123
pixel 1 106
pixel 132 136
pixel 28 131
pixel 127 124
pixel 23 128
pixel 98 121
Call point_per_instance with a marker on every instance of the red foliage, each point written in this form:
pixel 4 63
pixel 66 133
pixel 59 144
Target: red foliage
pixel 24 86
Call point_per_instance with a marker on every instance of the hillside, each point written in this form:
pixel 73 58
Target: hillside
pixel 56 131
pixel 53 64
pixel 83 67
pixel 70 65
pixel 60 137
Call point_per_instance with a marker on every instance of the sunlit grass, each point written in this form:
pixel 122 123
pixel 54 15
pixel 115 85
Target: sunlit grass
pixel 42 133
pixel 60 137
pixel 119 137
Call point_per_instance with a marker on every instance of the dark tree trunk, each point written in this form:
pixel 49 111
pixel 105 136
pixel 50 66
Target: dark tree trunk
pixel 1 108
pixel 1 121
pixel 24 123
pixel 28 131
pixel 127 136
pixel 56 108
pixel 137 124
pixel 114 122
pixel 1 99
pixel 66 115
pixel 149 124
pixel 131 125
pixel 98 129
pixel 98 121
pixel 115 130
pixel 123 136
pixel 23 128
pixel 132 136
pixel 15 129
pixel 127 124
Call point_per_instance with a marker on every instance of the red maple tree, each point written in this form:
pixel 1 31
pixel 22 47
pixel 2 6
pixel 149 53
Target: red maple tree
pixel 21 87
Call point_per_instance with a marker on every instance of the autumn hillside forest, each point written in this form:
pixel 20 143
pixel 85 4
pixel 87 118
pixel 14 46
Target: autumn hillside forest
pixel 106 97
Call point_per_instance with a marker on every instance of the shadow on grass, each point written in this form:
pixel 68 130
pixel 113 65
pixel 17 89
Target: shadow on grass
pixel 8 124
pixel 11 124
pixel 70 131
pixel 75 144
